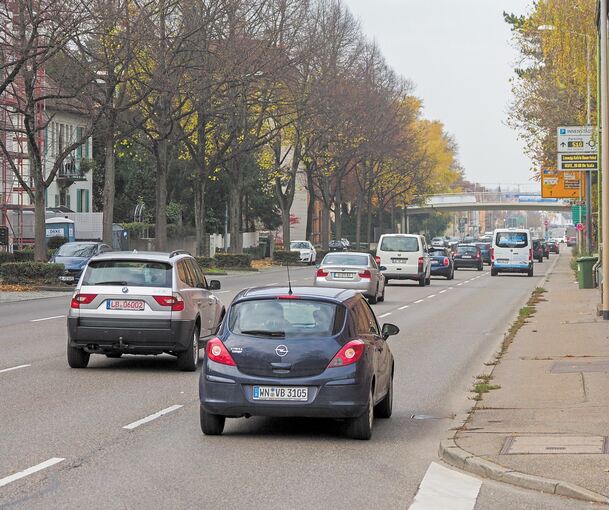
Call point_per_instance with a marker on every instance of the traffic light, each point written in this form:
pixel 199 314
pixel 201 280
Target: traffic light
pixel 3 236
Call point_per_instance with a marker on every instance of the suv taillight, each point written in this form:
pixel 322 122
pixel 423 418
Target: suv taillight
pixel 217 351
pixel 365 274
pixel 421 260
pixel 82 299
pixel 349 353
pixel 321 273
pixel 175 302
pixel 378 260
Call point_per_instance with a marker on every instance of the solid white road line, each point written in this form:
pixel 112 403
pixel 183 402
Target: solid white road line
pixel 443 488
pixel 29 471
pixel 403 307
pixel 14 368
pixel 154 416
pixel 385 315
pixel 48 318
pixel 443 291
pixel 432 295
pixel 419 301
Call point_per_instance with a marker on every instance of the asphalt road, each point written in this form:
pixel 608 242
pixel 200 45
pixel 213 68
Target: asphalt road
pixel 49 411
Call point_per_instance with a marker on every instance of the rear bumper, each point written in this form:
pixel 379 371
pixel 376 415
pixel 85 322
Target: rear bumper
pixel 468 263
pixel 363 287
pixel 440 270
pixel 512 268
pixel 397 275
pixel 344 395
pixel 154 337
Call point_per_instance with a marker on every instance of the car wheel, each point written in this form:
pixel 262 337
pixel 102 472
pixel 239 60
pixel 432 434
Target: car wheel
pixel 373 299
pixel 530 272
pixel 422 281
pixel 188 360
pixel 211 424
pixel 493 271
pixel 114 355
pixel 361 427
pixel 385 407
pixel 382 296
pixel 78 358
pixel 428 280
pixel 480 267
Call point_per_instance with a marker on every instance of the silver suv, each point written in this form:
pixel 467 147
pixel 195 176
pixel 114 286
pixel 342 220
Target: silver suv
pixel 142 303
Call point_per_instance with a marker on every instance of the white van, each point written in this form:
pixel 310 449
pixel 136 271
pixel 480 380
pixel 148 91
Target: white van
pixel 512 251
pixel 404 257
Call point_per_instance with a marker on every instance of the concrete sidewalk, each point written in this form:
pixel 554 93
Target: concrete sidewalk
pixel 546 427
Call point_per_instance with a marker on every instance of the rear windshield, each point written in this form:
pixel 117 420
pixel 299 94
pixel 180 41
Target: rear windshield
pixel 337 259
pixel 138 273
pixel 438 253
pixel 511 239
pixel 405 244
pixel 76 250
pixel 286 318
pixel 467 250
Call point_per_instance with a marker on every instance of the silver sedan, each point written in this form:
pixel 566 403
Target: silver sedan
pixel 352 270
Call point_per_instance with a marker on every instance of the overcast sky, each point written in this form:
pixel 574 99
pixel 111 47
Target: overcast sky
pixel 459 56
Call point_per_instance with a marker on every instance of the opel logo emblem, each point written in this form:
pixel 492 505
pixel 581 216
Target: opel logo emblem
pixel 281 350
pixel 125 290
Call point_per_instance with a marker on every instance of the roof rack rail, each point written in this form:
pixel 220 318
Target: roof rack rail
pixel 178 252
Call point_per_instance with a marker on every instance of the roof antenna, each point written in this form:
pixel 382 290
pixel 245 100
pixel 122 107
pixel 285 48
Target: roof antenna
pixel 290 292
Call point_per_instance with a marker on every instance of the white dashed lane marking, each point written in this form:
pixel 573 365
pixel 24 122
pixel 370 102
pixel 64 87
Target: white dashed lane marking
pixel 30 471
pixel 419 301
pixel 385 315
pixel 13 368
pixel 403 307
pixel 431 296
pixel 154 416
pixel 48 318
pixel 443 488
pixel 443 291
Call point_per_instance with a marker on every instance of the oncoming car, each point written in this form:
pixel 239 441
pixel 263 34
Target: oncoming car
pixel 142 303
pixel 310 353
pixel 352 270
pixel 306 250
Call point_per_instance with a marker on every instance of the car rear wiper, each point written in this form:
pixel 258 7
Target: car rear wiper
pixel 110 283
pixel 263 332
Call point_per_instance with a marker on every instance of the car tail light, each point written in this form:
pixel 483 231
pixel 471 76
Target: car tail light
pixel 82 299
pixel 321 273
pixel 378 260
pixel 365 274
pixel 288 296
pixel 217 351
pixel 493 254
pixel 421 260
pixel 530 254
pixel 445 261
pixel 478 255
pixel 175 302
pixel 349 353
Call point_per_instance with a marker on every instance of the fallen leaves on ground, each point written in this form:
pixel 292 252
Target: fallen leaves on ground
pixel 5 287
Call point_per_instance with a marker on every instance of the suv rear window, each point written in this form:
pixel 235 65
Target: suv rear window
pixel 404 244
pixel 511 239
pixel 138 273
pixel 286 318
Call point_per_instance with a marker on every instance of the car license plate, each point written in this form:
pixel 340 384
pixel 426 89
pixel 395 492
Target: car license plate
pixel 397 261
pixel 293 393
pixel 502 261
pixel 66 278
pixel 435 262
pixel 124 304
pixel 343 276
pixel 467 256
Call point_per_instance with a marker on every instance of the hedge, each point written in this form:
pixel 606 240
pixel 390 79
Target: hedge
pixel 205 262
pixel 30 273
pixel 17 256
pixel 55 242
pixel 283 257
pixel 231 260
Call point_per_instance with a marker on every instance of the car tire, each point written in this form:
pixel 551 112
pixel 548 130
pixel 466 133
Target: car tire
pixel 494 272
pixel 530 272
pixel 114 355
pixel 211 424
pixel 428 280
pixel 361 427
pixel 373 299
pixel 422 281
pixel 78 358
pixel 188 360
pixel 385 407
pixel 480 267
pixel 381 298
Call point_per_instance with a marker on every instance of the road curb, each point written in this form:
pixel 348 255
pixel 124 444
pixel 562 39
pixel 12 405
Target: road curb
pixel 451 453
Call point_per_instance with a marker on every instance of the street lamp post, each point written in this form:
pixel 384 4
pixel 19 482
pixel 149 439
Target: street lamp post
pixel 604 110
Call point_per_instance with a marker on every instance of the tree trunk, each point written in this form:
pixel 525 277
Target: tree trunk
pixel 392 219
pixel 310 204
pixel 381 219
pixel 40 245
pixel 109 183
pixel 338 213
pixel 358 223
pixel 325 225
pixel 200 230
pixel 160 229
pixel 369 219
pixel 236 242
pixel 284 207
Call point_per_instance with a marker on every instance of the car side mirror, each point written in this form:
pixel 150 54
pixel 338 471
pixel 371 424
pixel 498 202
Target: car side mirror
pixel 390 330
pixel 214 285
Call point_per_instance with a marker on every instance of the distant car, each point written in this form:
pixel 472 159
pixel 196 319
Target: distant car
pixel 352 270
pixel 346 243
pixel 300 352
pixel 537 250
pixel 74 257
pixel 512 252
pixel 442 262
pixel 142 303
pixel 485 251
pixel 438 241
pixel 571 241
pixel 306 250
pixel 468 255
pixel 546 249
pixel 553 247
pixel 404 257
pixel 337 245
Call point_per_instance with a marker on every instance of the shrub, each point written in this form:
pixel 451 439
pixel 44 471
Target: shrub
pixel 321 254
pixel 17 256
pixel 256 252
pixel 56 241
pixel 205 262
pixel 233 260
pixel 283 257
pixel 30 272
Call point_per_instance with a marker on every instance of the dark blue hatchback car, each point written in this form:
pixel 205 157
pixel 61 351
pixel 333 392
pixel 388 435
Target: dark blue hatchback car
pixel 312 352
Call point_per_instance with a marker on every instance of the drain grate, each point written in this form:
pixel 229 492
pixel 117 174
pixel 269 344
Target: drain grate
pixel 530 445
pixel 569 367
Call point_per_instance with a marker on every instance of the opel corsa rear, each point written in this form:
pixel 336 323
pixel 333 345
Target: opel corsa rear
pixel 318 352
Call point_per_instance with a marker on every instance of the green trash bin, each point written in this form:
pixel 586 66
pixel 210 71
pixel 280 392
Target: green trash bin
pixel 585 276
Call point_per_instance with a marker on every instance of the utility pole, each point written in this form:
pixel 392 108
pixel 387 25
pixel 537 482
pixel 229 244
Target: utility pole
pixel 604 97
pixel 588 174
